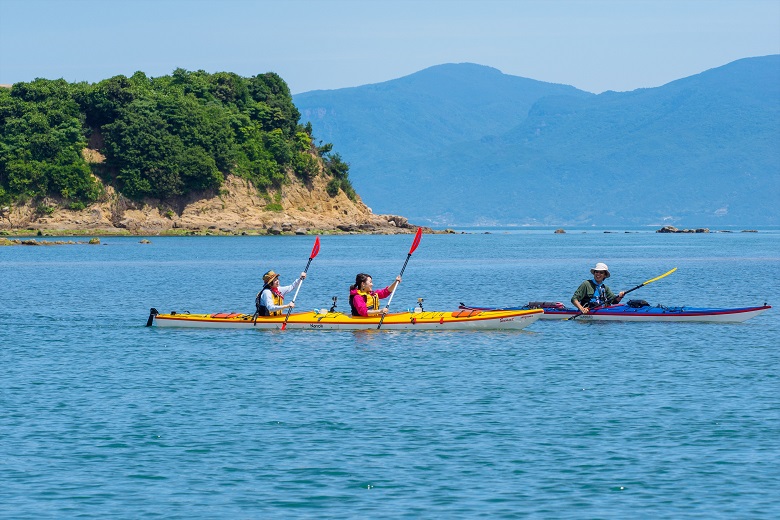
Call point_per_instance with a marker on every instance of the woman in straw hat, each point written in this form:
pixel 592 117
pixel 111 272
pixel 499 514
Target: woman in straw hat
pixel 594 293
pixel 270 299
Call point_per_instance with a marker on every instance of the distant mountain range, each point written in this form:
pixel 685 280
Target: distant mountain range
pixel 464 144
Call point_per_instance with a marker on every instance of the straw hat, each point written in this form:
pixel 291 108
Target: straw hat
pixel 600 267
pixel 269 277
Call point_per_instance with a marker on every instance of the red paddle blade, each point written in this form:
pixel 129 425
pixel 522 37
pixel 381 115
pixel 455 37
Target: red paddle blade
pixel 284 325
pixel 316 248
pixel 416 242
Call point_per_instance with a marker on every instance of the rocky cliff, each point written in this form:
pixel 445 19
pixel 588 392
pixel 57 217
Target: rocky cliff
pixel 237 208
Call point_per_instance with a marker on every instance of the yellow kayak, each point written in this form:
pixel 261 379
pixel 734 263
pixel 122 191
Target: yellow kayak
pixel 322 320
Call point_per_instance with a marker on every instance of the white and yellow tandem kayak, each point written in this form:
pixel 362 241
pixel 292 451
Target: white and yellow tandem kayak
pixel 322 320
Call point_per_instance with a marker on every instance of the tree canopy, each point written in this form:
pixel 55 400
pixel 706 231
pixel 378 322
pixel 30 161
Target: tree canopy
pixel 161 137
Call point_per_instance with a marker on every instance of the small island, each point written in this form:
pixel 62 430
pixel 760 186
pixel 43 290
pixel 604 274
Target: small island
pixel 189 153
pixel 672 229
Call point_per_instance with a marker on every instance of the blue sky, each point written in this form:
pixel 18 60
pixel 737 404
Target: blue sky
pixel 594 45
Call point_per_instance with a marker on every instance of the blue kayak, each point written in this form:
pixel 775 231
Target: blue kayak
pixel 623 312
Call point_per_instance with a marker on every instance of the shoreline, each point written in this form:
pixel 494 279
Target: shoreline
pixel 11 234
pixel 27 233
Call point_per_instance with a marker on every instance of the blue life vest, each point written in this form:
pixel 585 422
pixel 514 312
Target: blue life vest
pixel 599 297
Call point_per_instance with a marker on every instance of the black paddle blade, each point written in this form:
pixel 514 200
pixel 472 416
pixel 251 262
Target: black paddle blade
pixel 152 313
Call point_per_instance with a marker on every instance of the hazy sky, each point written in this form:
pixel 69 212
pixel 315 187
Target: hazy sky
pixel 594 45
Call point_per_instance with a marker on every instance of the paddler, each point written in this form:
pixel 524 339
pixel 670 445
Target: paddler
pixel 595 293
pixel 270 300
pixel 364 301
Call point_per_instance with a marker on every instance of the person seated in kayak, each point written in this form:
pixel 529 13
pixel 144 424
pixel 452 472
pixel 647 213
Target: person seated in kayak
pixel 270 300
pixel 364 301
pixel 594 293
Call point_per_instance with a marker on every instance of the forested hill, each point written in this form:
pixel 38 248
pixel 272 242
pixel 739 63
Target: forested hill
pixel 161 138
pixel 464 144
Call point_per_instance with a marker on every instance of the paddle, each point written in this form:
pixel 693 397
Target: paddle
pixel 415 243
pixel 314 251
pixel 633 289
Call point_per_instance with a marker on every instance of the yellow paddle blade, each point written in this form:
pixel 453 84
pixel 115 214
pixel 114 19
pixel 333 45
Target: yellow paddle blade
pixel 659 277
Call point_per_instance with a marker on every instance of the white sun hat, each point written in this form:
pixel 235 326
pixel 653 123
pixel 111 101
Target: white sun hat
pixel 600 267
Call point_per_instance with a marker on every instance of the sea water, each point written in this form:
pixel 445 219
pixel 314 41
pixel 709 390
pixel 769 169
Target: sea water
pixel 102 417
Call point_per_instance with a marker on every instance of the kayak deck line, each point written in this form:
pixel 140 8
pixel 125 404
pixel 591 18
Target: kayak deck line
pixel 421 320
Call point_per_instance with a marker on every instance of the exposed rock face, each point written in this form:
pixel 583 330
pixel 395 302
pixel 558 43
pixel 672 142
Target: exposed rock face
pixel 236 208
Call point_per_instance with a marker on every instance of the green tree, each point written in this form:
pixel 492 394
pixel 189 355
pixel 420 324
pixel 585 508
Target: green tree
pixel 162 137
pixel 41 137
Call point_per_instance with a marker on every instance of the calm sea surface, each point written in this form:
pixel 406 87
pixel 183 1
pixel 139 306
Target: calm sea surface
pixel 101 417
